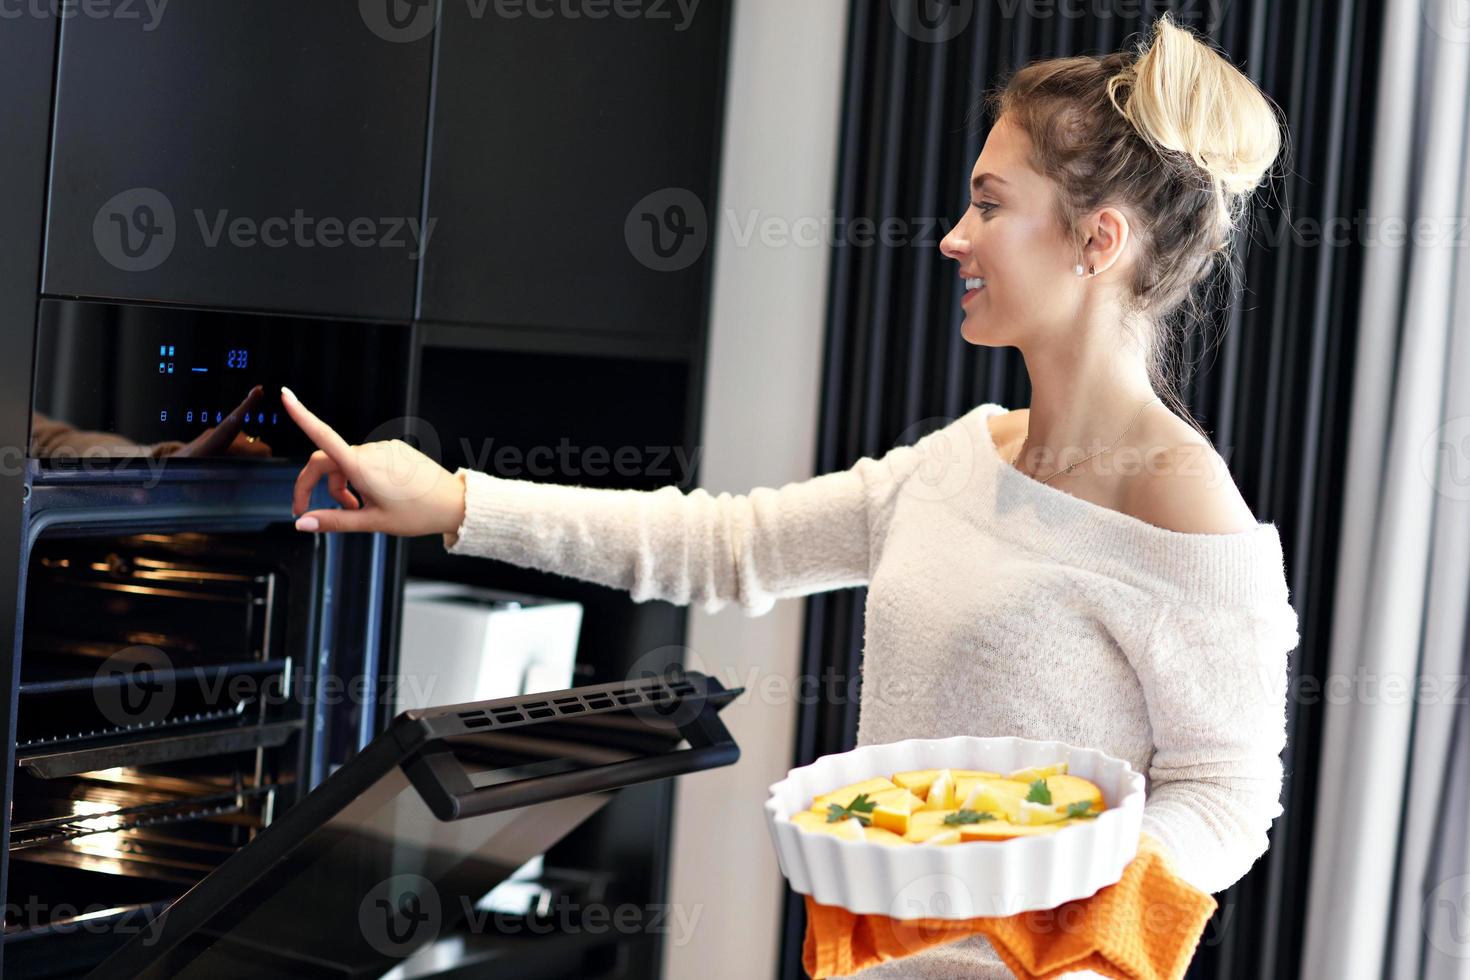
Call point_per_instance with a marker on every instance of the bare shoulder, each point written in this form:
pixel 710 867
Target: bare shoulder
pixel 1185 485
pixel 1008 426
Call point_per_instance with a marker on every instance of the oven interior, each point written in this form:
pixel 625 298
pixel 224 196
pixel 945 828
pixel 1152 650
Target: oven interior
pixel 163 719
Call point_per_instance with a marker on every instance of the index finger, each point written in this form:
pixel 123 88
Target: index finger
pixel 316 430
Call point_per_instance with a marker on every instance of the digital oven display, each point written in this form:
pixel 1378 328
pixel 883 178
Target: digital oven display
pixel 115 380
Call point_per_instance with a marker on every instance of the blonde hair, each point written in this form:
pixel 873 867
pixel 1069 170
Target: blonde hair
pixel 1186 99
pixel 1172 134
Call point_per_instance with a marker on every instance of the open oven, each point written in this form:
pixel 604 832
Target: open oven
pixel 207 774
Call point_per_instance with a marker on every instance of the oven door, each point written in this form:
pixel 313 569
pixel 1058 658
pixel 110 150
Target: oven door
pixel 397 844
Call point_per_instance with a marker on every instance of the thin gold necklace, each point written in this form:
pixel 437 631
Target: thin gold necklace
pixel 1072 466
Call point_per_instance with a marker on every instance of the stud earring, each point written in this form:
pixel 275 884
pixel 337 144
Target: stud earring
pixel 1077 269
pixel 1092 270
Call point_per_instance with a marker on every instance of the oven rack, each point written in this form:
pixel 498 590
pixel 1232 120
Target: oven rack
pixel 216 673
pixel 191 744
pixel 51 830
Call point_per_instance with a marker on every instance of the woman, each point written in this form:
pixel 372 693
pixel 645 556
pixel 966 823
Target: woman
pixel 1081 570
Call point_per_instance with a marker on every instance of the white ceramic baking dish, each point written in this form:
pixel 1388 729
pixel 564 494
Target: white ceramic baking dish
pixel 957 881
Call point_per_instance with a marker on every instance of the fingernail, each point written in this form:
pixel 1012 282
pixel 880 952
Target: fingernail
pixel 307 524
pixel 288 392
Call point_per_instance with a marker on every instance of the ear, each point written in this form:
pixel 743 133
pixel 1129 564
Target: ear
pixel 1106 234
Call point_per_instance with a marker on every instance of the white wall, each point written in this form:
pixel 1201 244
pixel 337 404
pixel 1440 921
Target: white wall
pixel 760 424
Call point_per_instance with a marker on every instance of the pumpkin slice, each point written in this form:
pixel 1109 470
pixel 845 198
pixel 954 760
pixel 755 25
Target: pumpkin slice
pixel 1037 772
pixel 925 824
pixel 918 781
pixel 894 809
pixel 850 829
pixel 845 795
pixel 1001 797
pixel 1066 790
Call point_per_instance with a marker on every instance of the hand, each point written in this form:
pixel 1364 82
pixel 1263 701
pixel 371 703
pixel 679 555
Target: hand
pixel 403 491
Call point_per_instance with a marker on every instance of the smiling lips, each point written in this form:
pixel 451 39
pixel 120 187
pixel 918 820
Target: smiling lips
pixel 972 286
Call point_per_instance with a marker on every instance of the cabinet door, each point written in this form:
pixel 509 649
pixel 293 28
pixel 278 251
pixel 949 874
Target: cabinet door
pixel 265 155
pixel 573 164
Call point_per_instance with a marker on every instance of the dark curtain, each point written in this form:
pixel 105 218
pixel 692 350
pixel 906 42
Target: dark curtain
pixel 1272 389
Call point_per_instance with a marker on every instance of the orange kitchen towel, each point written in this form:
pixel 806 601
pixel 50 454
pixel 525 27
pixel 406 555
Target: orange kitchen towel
pixel 1145 926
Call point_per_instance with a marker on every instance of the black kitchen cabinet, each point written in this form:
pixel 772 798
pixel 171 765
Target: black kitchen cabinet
pixel 572 168
pixel 548 328
pixel 264 155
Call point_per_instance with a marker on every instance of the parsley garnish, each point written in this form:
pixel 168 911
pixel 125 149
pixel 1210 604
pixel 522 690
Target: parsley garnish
pixel 1040 792
pixel 861 807
pixel 967 816
pixel 1080 808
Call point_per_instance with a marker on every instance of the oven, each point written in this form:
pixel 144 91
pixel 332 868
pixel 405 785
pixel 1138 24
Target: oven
pixel 179 640
pixel 200 691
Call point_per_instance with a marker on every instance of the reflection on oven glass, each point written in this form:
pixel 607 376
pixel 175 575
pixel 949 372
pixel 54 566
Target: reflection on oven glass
pixel 117 380
pixel 55 439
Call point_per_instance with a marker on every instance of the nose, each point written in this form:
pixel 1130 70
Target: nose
pixel 955 245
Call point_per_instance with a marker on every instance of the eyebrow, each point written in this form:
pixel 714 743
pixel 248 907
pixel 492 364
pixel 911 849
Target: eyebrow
pixel 979 180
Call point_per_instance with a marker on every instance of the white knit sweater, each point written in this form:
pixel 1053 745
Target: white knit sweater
pixel 996 605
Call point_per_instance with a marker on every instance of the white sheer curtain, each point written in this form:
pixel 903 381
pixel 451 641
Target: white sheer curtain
pixel 1390 878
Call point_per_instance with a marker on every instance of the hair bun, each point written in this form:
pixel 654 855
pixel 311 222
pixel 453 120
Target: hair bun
pixel 1190 103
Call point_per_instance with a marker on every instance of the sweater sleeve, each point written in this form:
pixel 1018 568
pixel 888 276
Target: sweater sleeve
pixel 1214 679
pixel 696 547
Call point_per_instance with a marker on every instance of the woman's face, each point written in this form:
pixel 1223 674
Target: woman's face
pixel 1010 237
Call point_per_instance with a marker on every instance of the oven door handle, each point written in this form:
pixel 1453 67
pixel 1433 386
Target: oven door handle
pixel 446 788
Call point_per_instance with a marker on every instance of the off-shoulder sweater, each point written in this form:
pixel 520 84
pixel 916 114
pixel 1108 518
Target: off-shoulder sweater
pixel 996 605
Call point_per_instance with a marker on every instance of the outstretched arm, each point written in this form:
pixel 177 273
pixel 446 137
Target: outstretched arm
pixel 695 547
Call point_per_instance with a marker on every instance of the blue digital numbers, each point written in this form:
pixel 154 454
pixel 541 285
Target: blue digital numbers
pixel 237 359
